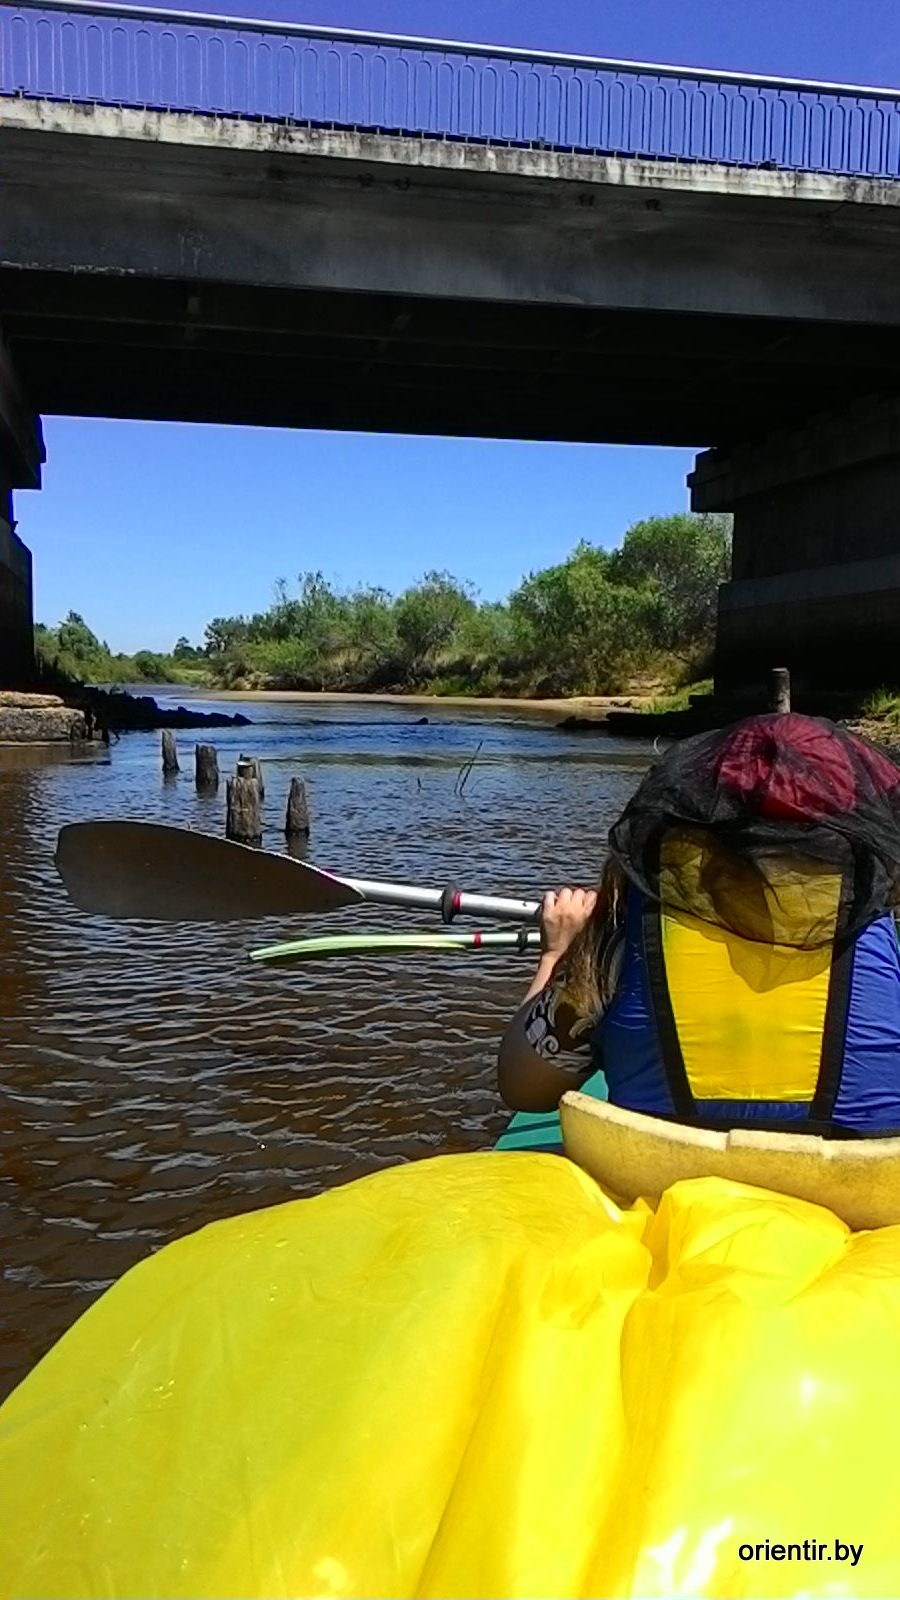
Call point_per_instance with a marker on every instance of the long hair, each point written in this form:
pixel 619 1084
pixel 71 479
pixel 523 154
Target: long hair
pixel 585 971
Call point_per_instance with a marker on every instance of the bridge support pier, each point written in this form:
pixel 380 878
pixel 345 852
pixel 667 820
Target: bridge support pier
pixel 21 457
pixel 816 572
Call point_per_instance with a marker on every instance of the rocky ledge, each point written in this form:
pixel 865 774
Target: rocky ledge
pixel 94 714
pixel 38 719
pixel 114 711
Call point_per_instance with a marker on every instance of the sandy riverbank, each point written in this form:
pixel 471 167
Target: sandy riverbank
pixel 578 705
pixel 880 730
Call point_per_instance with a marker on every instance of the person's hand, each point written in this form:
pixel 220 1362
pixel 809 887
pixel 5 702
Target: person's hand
pixel 563 916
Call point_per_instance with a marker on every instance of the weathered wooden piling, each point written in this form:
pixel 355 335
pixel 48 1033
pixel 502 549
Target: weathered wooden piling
pixel 251 767
pixel 780 689
pixel 243 816
pixel 297 820
pixel 169 751
pixel 206 766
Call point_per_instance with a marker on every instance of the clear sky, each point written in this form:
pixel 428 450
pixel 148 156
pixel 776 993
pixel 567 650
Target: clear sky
pixel 150 529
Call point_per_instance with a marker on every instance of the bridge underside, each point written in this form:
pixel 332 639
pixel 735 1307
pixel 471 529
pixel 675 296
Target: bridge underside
pixel 111 345
pixel 170 266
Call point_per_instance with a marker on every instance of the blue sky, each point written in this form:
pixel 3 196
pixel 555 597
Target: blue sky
pixel 150 529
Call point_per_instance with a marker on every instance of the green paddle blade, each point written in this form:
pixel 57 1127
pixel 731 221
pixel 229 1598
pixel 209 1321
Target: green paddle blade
pixel 354 944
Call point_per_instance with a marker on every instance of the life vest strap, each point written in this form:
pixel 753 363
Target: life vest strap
pixel 670 1051
pixel 834 1033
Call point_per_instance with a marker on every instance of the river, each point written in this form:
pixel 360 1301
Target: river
pixel 154 1081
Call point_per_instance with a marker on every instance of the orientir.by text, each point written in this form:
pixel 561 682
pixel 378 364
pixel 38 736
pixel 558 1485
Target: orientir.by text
pixel 809 1550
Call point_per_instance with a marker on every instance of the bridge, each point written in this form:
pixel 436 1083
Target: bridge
pixel 210 219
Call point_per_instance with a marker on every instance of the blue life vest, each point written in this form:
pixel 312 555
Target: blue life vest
pixel 709 1029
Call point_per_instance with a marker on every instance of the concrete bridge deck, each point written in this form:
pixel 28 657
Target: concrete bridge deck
pixel 166 264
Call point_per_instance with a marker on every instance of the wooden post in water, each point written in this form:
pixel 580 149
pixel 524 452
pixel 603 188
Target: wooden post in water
pixel 251 767
pixel 780 689
pixel 243 818
pixel 169 751
pixel 206 767
pixel 297 820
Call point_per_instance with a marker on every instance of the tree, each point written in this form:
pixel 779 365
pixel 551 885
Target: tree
pixel 680 560
pixel 150 667
pixel 184 650
pixel 489 632
pixel 580 629
pixel 223 633
pixel 427 616
pixel 76 640
pixel 557 603
pixel 321 618
pixel 283 619
pixel 371 627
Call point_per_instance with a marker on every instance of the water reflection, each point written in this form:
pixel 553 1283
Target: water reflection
pixel 154 1080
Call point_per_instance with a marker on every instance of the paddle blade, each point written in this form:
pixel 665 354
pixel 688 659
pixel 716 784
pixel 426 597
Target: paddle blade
pixel 361 944
pixel 161 874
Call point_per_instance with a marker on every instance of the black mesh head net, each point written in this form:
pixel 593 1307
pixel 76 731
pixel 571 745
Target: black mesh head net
pixel 783 829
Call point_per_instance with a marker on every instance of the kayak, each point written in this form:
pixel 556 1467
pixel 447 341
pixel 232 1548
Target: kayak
pixel 472 1375
pixel 542 1130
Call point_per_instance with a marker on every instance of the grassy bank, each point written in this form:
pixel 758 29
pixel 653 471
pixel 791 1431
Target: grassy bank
pixel 875 717
pixel 879 717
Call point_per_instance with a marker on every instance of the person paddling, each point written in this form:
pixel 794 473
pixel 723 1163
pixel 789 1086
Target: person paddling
pixel 738 963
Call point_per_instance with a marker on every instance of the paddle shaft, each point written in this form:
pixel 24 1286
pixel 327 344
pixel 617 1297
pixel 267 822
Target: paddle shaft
pixel 448 903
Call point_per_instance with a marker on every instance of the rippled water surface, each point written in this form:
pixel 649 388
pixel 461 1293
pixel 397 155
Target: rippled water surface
pixel 154 1080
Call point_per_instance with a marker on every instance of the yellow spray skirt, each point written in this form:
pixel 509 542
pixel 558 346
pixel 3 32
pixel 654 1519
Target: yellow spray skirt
pixel 472 1376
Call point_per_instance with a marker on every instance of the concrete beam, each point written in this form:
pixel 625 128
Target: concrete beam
pixel 185 197
pixel 21 457
pixel 16 612
pixel 197 268
pixel 184 129
pixel 809 497
pixel 839 634
pixel 810 585
pixel 21 440
pixel 833 442
pixel 816 556
pixel 97 344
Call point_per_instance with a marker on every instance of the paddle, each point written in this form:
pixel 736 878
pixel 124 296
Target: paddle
pixel 164 874
pixel 352 944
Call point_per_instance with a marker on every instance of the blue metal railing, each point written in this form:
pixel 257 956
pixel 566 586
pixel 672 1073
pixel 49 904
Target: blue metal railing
pixel 136 56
